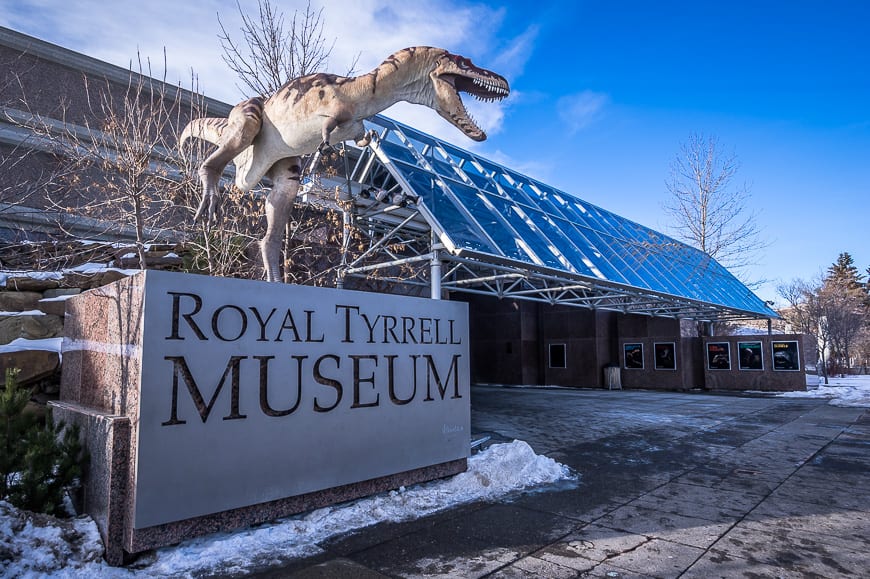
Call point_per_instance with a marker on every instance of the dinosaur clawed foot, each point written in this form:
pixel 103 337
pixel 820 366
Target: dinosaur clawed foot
pixel 325 148
pixel 208 208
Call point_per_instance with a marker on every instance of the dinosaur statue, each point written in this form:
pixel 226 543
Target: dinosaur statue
pixel 268 136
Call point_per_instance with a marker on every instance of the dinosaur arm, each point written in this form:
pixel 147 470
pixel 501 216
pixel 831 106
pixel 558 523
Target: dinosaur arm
pixel 329 125
pixel 339 118
pixel 346 129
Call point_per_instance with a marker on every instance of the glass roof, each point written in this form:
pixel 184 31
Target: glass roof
pixel 479 207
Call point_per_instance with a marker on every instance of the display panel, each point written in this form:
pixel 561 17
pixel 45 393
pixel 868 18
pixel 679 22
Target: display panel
pixel 786 355
pixel 633 356
pixel 558 357
pixel 750 356
pixel 718 356
pixel 665 356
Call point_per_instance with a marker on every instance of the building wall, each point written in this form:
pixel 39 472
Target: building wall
pixel 503 336
pixel 584 335
pixel 768 377
pixel 657 335
pixel 511 342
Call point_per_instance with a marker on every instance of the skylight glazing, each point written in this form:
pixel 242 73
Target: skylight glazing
pixel 481 208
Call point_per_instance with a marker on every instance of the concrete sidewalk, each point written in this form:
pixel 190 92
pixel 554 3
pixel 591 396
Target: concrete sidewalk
pixel 671 485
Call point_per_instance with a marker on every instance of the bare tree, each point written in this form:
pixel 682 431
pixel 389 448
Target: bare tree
pixel 118 168
pixel 805 313
pixel 708 209
pixel 267 57
pixel 829 311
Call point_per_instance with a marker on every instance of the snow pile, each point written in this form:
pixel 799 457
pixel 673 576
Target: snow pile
pixel 33 544
pixel 848 391
pixel 73 548
pixel 86 268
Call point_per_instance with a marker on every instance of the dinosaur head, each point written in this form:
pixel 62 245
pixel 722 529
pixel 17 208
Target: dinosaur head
pixel 452 74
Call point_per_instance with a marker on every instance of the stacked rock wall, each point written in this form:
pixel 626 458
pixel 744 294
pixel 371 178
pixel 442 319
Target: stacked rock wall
pixel 35 282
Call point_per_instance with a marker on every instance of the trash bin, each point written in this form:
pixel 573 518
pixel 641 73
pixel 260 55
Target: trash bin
pixel 612 377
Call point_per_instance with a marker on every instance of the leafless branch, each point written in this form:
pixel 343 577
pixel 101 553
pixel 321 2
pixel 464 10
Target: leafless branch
pixel 708 210
pixel 268 56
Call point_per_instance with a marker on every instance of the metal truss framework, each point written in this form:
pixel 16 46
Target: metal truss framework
pixel 409 244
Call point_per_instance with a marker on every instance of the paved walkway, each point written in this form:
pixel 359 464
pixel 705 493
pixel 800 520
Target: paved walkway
pixel 672 485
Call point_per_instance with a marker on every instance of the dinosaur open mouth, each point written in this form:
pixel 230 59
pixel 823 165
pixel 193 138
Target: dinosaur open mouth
pixel 483 88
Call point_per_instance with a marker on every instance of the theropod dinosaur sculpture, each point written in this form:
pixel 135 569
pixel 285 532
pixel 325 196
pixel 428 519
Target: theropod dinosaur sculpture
pixel 268 136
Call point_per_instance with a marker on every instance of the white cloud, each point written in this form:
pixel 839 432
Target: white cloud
pixel 580 110
pixel 511 60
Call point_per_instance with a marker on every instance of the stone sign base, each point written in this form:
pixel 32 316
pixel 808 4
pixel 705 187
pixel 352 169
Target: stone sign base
pixel 170 378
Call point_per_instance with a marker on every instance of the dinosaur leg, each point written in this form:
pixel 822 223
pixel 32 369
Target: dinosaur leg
pixel 285 175
pixel 243 124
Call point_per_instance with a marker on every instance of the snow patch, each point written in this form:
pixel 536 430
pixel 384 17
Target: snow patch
pixel 848 391
pixel 62 298
pixel 23 344
pixel 87 268
pixel 26 313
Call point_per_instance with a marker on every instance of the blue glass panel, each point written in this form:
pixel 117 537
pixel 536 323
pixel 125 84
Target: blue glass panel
pixel 605 263
pixel 620 269
pixel 461 231
pixel 398 152
pixel 536 243
pixel 483 182
pixel 489 221
pixel 568 247
pixel 547 200
pixel 565 232
pixel 443 168
pixel 515 191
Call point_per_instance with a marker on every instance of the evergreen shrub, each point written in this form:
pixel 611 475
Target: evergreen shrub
pixel 39 460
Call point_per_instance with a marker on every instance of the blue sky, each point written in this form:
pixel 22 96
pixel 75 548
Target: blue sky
pixel 604 93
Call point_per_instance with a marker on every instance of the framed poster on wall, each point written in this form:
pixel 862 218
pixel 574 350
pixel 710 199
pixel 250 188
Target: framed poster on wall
pixel 665 355
pixel 633 356
pixel 749 356
pixel 718 356
pixel 786 355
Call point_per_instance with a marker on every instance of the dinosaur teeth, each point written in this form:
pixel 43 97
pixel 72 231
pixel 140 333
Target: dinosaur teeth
pixel 494 90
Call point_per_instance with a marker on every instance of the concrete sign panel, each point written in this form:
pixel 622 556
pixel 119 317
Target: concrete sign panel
pixel 253 392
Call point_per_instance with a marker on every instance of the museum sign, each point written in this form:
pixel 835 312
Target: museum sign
pixel 251 392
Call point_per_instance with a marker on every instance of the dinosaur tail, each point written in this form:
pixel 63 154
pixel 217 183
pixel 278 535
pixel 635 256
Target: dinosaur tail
pixel 207 129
